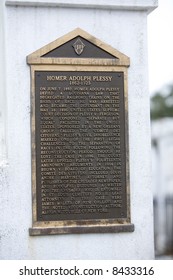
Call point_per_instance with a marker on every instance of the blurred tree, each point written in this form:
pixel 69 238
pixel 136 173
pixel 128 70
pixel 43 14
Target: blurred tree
pixel 162 104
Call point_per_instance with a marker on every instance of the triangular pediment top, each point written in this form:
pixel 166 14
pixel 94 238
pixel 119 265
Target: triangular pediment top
pixel 77 45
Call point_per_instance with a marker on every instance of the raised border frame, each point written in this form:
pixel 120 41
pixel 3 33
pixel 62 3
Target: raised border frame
pixel 39 63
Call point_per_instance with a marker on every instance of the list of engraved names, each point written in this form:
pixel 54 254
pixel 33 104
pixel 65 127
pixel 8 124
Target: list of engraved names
pixel 80 145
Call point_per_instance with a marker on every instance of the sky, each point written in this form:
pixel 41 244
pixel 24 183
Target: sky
pixel 160 46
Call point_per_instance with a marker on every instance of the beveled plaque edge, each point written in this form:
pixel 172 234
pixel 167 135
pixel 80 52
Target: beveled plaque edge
pixel 68 226
pixel 35 231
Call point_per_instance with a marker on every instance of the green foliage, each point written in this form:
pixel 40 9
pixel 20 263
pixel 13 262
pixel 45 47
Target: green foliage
pixel 162 104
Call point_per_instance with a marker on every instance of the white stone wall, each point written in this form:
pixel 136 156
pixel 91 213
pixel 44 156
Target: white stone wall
pixel 28 26
pixel 2 88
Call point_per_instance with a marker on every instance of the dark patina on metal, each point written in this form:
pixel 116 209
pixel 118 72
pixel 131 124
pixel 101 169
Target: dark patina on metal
pixel 79 47
pixel 80 145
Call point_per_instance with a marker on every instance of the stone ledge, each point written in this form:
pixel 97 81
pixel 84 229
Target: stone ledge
pixel 136 5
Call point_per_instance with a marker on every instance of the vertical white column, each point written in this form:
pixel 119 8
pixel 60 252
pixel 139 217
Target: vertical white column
pixel 26 26
pixel 2 86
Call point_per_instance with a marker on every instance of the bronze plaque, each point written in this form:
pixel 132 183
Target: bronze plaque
pixel 80 145
pixel 79 120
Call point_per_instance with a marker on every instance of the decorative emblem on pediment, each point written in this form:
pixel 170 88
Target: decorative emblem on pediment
pixel 79 46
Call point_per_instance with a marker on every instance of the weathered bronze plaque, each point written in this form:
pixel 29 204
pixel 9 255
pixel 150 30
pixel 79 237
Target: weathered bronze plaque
pixel 79 138
pixel 80 145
